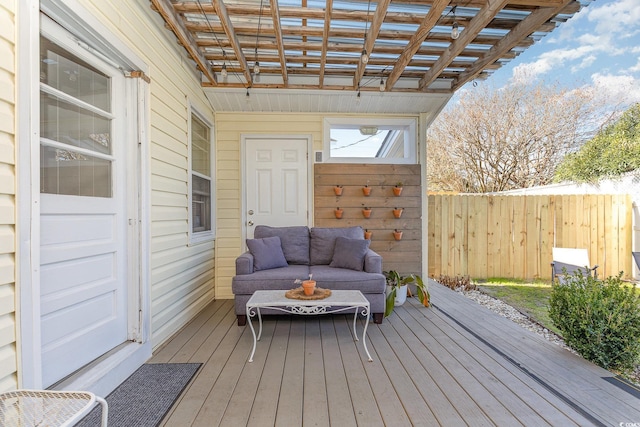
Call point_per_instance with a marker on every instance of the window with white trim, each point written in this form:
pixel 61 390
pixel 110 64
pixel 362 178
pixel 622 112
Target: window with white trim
pixel 201 182
pixel 370 140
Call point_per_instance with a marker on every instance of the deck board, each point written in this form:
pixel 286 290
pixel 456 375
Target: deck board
pixel 265 404
pixel 455 363
pixel 569 374
pixel 291 393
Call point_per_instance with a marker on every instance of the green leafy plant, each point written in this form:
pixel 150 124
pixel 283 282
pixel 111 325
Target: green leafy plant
pixel 600 319
pixel 423 292
pixel 395 280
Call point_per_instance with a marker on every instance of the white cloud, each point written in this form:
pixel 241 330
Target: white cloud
pixel 635 68
pixel 554 59
pixel 616 17
pixel 586 62
pixel 590 38
pixel 623 89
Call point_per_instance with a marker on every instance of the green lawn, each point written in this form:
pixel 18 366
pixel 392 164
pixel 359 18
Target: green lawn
pixel 531 298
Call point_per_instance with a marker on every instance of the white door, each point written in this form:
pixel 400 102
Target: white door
pixel 83 240
pixel 276 182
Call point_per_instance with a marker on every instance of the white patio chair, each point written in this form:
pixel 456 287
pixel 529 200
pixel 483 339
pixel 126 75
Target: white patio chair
pixel 48 407
pixel 569 260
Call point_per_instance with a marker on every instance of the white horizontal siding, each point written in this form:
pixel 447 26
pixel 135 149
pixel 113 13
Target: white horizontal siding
pixel 181 274
pixel 229 129
pixel 8 325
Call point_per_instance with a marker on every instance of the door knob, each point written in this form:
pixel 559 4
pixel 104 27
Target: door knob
pixel 250 223
pixel 250 212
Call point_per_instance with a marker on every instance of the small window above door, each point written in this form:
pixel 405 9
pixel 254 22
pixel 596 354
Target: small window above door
pixel 370 140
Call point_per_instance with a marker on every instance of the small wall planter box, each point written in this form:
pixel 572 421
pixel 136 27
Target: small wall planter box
pixel 338 190
pixel 366 212
pixel 397 234
pixel 338 213
pixel 397 212
pixel 366 190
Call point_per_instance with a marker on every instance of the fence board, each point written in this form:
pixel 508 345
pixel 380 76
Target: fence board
pixel 495 234
pixel 532 218
pixel 513 236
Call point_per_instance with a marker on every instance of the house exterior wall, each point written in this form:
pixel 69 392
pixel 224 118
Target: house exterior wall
pixel 8 329
pixel 229 129
pixel 181 274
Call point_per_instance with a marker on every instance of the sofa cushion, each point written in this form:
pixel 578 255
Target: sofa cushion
pixel 349 253
pixel 345 279
pixel 267 253
pixel 323 241
pixel 295 241
pixel 275 279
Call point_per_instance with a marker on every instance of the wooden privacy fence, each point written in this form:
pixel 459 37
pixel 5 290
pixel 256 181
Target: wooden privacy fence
pixel 512 236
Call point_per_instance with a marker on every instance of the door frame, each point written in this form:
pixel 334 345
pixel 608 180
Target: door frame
pixel 243 171
pixel 117 365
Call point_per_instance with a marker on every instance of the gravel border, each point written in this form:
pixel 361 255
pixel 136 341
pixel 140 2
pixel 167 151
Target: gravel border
pixel 505 310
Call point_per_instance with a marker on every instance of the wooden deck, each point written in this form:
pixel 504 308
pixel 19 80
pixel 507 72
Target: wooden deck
pixel 453 364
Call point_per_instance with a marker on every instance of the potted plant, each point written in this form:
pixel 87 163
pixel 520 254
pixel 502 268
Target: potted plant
pixel 309 287
pixel 366 190
pixel 397 190
pixel 396 290
pixel 367 234
pixel 338 212
pixel 366 212
pixel 397 212
pixel 397 234
pixel 338 190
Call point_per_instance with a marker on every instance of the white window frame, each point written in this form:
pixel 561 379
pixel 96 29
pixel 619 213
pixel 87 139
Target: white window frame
pixel 207 235
pixel 408 124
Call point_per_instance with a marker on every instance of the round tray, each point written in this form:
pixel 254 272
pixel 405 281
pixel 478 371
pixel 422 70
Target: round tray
pixel 298 293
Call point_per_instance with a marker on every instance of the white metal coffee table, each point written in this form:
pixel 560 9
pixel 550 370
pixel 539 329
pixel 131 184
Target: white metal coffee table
pixel 338 301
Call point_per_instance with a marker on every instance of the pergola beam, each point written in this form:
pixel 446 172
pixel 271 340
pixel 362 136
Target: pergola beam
pixel 520 31
pixel 371 36
pixel 477 24
pixel 166 10
pixel 227 26
pixel 325 41
pixel 415 42
pixel 275 15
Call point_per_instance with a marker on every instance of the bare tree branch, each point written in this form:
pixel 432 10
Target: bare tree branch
pixel 507 138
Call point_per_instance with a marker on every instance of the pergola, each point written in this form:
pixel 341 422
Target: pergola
pixel 411 46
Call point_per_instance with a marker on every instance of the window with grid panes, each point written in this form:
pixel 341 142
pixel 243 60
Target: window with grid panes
pixel 201 176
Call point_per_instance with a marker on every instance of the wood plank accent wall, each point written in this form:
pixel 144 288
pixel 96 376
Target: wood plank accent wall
pixel 512 236
pixel 405 255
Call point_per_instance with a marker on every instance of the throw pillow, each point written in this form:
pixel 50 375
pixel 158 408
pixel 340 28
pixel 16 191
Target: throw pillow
pixel 267 253
pixel 323 240
pixel 294 240
pixel 349 253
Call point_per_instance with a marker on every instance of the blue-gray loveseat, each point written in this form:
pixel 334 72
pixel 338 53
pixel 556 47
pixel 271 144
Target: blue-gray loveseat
pixel 338 258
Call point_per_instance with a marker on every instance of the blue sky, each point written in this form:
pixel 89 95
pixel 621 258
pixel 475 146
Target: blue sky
pixel 599 47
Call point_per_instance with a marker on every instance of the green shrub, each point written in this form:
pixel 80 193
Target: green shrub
pixel 598 319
